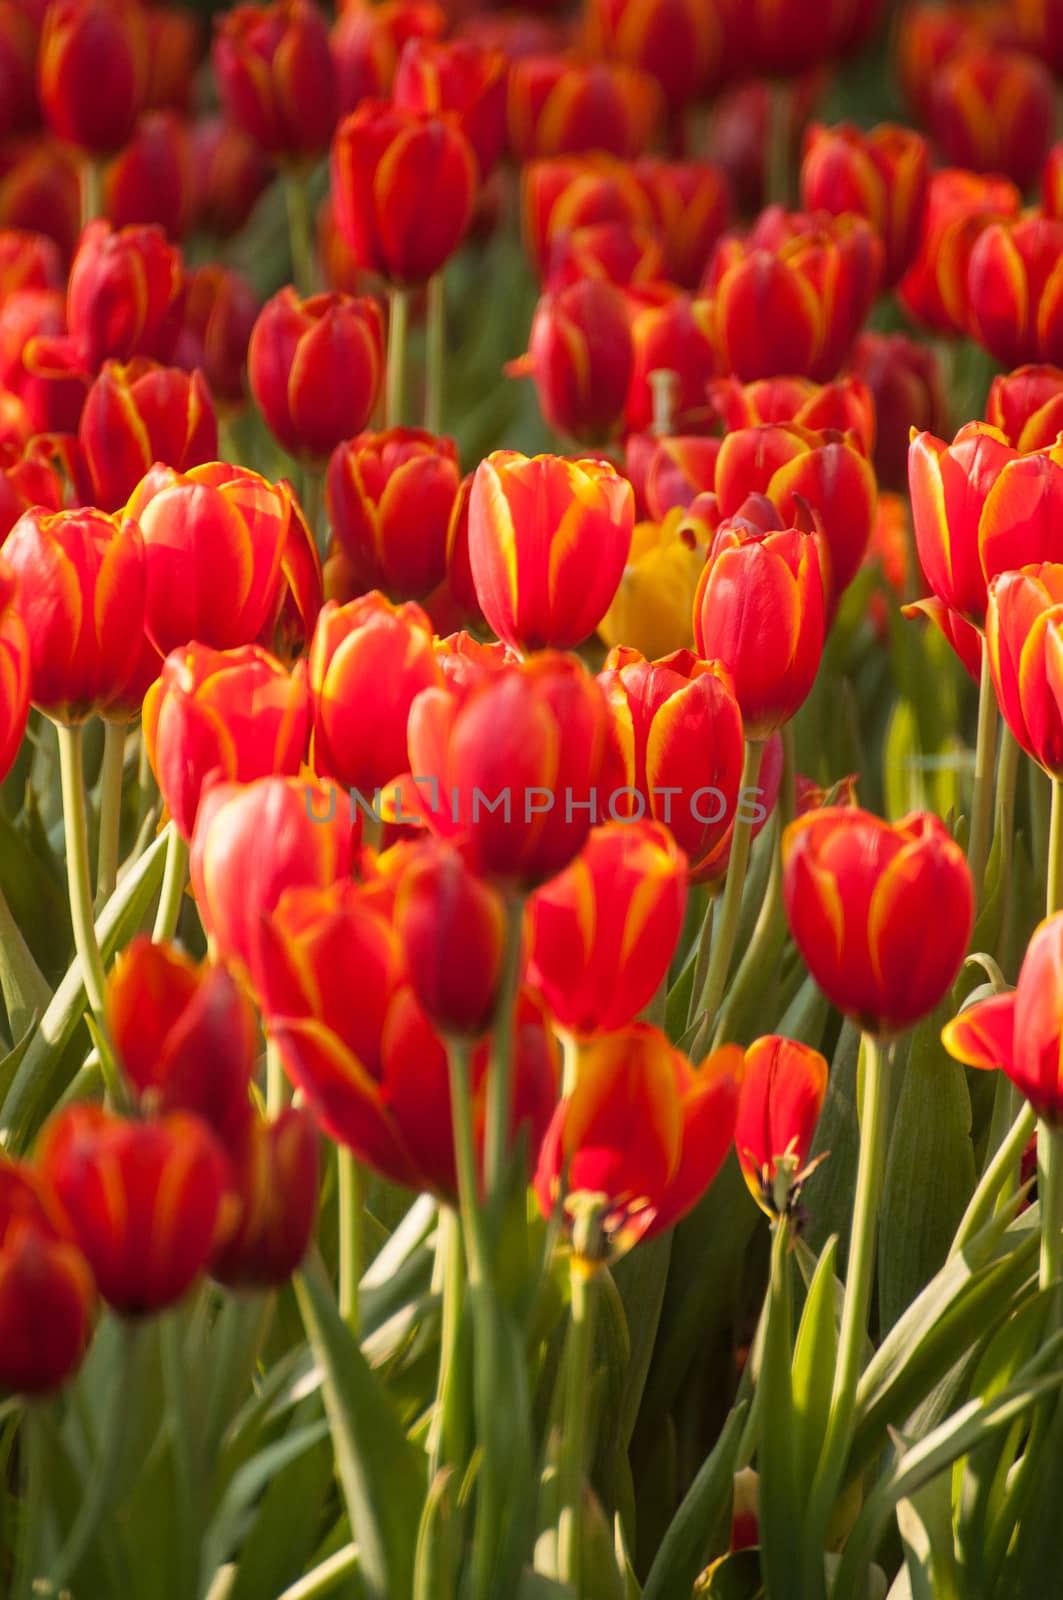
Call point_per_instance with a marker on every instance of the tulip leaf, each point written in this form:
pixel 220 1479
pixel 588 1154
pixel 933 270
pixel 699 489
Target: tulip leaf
pixel 236 1513
pixel 36 898
pixel 924 1521
pixel 706 1505
pixel 779 1497
pixel 438 1541
pixel 1030 1528
pixel 377 1467
pixel 735 1576
pixel 641 1277
pixel 506 1486
pixel 282 1536
pixel 813 1365
pixel 24 989
pixel 930 1171
pixel 828 1195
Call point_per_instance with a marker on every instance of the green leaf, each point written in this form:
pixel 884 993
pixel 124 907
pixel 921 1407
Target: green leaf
pixel 282 1536
pixel 734 1577
pixel 36 899
pixel 235 1514
pixel 707 1502
pixel 640 1278
pixel 925 1525
pixel 780 1497
pixel 813 1366
pixel 506 1486
pixel 378 1469
pixel 828 1194
pixel 438 1541
pixel 24 989
pixel 930 1171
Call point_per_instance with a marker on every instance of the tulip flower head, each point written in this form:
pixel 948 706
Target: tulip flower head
pixel 47 1291
pixel 782 1092
pixel 276 77
pixel 14 671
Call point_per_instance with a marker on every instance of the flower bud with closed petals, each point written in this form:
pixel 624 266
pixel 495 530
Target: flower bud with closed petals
pixel 1027 406
pixel 214 539
pixel 930 34
pixel 143 1200
pixel 644 1131
pixel 185 1035
pixel 124 295
pixel 291 619
pixel 40 189
pixel 566 193
pixel 777 41
pixel 275 1177
pixel 403 184
pixel 368 40
pixel 993 111
pixel 452 927
pixel 691 204
pixel 391 497
pixel 560 107
pixel 92 71
pixel 138 414
pixel 681 43
pixel 949 485
pixel 881 175
pixel 679 731
pixel 619 252
pixel 1015 290
pixel 276 77
pixel 603 932
pixel 670 331
pixel 230 173
pixel 315 367
pixel 152 180
pixel 232 714
pixel 457 76
pixel 14 671
pixel 1024 640
pixel 581 358
pixel 19 41
pixel 175 49
pixel 548 540
pixel 760 610
pixel 236 882
pixel 514 766
pixel 220 310
pixel 47 1300
pixel 880 912
pixel 82 585
pixel 960 206
pixel 904 385
pixel 1019 1033
pixel 846 405
pixel 778 1106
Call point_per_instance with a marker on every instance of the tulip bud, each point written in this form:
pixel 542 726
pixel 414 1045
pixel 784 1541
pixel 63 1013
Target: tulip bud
pixel 548 539
pixel 453 930
pixel 390 500
pixel 185 1035
pixel 152 180
pixel 929 35
pixel 760 610
pixel 92 70
pixel 562 195
pixel 175 47
pixel 949 487
pixel 235 714
pixel 581 358
pixel 143 1200
pixel 993 111
pixel 47 1300
pixel 275 1171
pixel 778 42
pixel 881 176
pixel 19 40
pixel 237 883
pixel 462 78
pixel 679 42
pixel 618 252
pixel 680 737
pixel 81 594
pixel 561 107
pixel 881 913
pixel 1023 636
pixel 220 310
pixel 778 1106
pixel 403 184
pixel 230 174
pixel 124 295
pixel 670 332
pixel 604 931
pixel 14 671
pixel 368 40
pixel 960 206
pixel 139 414
pixel 40 189
pixel 904 383
pixel 1013 293
pixel 276 78
pixel 649 1166
pixel 691 204
pixel 214 538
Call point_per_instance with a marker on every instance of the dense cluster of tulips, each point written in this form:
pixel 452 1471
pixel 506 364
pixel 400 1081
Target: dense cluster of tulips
pixel 455 886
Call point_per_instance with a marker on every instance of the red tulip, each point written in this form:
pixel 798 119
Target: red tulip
pixel 881 176
pixel 275 1179
pixel 844 406
pixel 47 1293
pixel 1024 632
pixel 28 477
pixel 276 77
pixel 220 310
pixel 152 180
pixel 124 295
pixel 581 357
pixel 452 927
pixel 691 205
pixel 671 331
pixel 14 671
pixel 960 206
pixel 139 414
pixel 230 174
pixel 391 497
pixel 778 1106
pixel 40 189
pixel 906 391
pixel 368 39
pixel 559 107
pixel 993 111
pixel 679 42
pixel 1014 289
pixel 92 70
pixel 570 192
pixel 462 78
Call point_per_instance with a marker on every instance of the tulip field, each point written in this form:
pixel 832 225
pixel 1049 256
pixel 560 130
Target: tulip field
pixel 531 800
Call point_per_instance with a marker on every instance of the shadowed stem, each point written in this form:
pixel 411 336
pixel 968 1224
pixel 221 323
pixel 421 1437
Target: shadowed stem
pixel 349 1199
pixel 1050 1195
pixel 500 1069
pixel 173 887
pixel 31 1442
pixel 777 151
pixel 111 774
pixel 984 762
pixel 574 1433
pixel 436 352
pixel 295 199
pixel 91 189
pixel 1054 898
pixel 726 930
pixel 398 318
pixel 72 778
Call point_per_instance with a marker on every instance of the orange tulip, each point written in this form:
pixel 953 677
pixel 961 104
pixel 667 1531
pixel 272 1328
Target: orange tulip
pixel 138 414
pixel 391 498
pixel 276 77
pixel 880 175
pixel 1015 290
pixel 960 206
pixel 1024 635
pixel 881 913
pixel 778 1106
pixel 1027 406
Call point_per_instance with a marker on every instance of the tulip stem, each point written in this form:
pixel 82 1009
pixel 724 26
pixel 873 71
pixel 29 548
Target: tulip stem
pixel 276 1081
pixel 1054 899
pixel 72 779
pixel 175 1385
pixel 1050 1195
pixel 465 1161
pixel 982 1203
pixel 435 352
pixel 349 1195
pixel 450 1264
pixel 701 965
pixel 313 502
pixel 173 887
pixel 574 1434
pixel 777 151
pixel 91 190
pixel 984 763
pixel 859 1275
pixel 32 1452
pixel 111 775
pixel 726 931
pixel 302 249
pixel 500 1069
pixel 398 317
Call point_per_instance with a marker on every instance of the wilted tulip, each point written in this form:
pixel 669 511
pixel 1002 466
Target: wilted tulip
pixel 759 610
pixel 460 77
pixel 391 497
pixel 368 39
pixel 691 204
pixel 403 184
pixel 233 714
pixel 220 310
pixel 124 295
pixel 1016 301
pixel 880 912
pixel 782 1092
pixel 138 414
pixel 82 586
pixel 452 927
pixel 548 539
pixel 904 383
pixel 275 1181
pixel 143 1200
pixel 214 540
pixel 960 206
pixel 603 932
pixel 580 356
pixel 560 107
pixel 993 111
pixel 315 367
pixel 1027 406
pixel 881 175
pixel 14 671
pixel 1023 633
pixel 92 70
pixel 644 1131
pixel 276 78
pixel 153 179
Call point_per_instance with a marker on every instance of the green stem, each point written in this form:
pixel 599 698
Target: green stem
pixel 72 778
pixel 472 1221
pixel 276 1081
pixel 1054 900
pixel 299 236
pixel 859 1276
pixel 726 930
pixel 768 934
pixel 175 1382
pixel 993 1180
pixel 111 774
pixel 450 1260
pixel 1004 825
pixel 1050 1196
pixel 398 318
pixel 701 965
pixel 984 765
pixel 91 189
pixel 313 505
pixel 500 1069
pixel 435 352
pixel 32 1439
pixel 574 1435
pixel 777 153
pixel 173 887
pixel 349 1198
